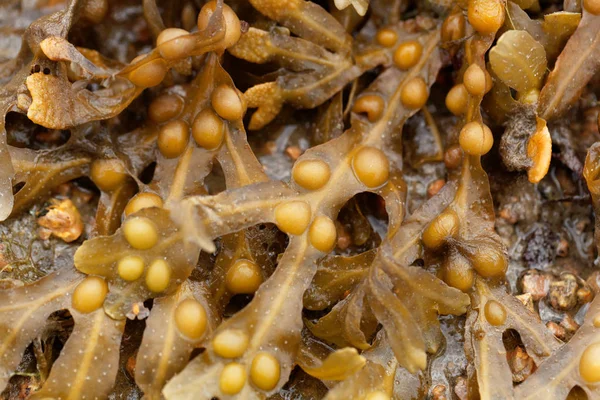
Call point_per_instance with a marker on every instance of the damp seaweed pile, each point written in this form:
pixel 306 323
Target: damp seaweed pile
pixel 290 199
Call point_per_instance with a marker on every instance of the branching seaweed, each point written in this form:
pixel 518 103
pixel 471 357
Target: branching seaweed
pixel 257 282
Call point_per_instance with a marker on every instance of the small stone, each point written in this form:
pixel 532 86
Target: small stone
pixel 584 295
pixel 563 293
pixel 293 152
pixel 438 392
pixel 521 365
pixel 81 196
pixel 535 283
pixel 527 300
pixel 434 187
pixel 344 240
pixel 508 215
pixel 569 324
pixel 453 156
pixel 62 220
pixel 558 331
pixel 461 388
